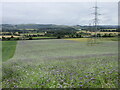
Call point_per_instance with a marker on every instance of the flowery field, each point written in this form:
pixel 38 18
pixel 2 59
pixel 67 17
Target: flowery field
pixel 62 64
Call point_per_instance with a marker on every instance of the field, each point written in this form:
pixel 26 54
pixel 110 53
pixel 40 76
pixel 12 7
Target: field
pixel 62 64
pixel 102 33
pixel 8 49
pixel 39 37
pixel 42 37
pixel 88 39
pixel 8 36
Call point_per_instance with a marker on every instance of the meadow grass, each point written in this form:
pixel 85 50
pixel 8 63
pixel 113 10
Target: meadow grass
pixel 8 49
pixel 62 64
pixel 100 72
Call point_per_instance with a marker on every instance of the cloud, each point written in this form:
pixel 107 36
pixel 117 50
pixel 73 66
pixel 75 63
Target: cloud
pixel 58 0
pixel 68 13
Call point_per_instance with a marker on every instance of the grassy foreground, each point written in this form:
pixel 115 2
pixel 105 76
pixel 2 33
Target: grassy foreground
pixel 8 49
pixel 62 64
pixel 100 72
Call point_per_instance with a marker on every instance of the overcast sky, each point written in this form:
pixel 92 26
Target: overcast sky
pixel 67 13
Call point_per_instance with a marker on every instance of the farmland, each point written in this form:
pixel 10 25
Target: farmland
pixel 40 31
pixel 8 49
pixel 62 64
pixel 99 39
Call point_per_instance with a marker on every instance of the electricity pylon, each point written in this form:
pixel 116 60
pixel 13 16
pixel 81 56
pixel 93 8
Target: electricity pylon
pixel 94 30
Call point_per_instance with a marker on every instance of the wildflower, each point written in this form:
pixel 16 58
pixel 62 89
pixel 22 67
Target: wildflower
pixel 88 72
pixel 86 76
pixel 62 80
pixel 80 82
pixel 65 83
pixel 102 72
pixel 81 85
pixel 71 74
pixel 81 78
pixel 15 86
pixel 92 79
pixel 110 72
pixel 60 86
pixel 48 80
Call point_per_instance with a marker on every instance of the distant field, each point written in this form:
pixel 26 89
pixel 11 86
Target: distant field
pixel 10 36
pixel 88 39
pixel 33 34
pixel 21 36
pixel 8 49
pixel 99 32
pixel 62 64
pixel 42 37
pixel 108 33
pixel 78 39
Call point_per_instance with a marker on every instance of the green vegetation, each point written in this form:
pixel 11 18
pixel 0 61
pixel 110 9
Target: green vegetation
pixel 38 31
pixel 62 64
pixel 42 37
pixel 8 49
pixel 75 73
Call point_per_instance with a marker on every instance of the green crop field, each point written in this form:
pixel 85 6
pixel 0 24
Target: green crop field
pixel 62 64
pixel 8 49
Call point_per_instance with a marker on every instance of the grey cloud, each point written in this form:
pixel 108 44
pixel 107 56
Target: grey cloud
pixel 57 13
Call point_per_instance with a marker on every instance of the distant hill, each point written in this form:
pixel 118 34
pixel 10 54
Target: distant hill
pixel 38 27
pixel 33 26
pixel 47 27
pixel 102 27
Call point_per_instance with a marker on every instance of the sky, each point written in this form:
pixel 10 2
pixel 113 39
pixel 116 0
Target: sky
pixel 60 13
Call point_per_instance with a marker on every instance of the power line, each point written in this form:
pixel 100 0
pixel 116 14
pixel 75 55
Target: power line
pixel 96 16
pixel 94 29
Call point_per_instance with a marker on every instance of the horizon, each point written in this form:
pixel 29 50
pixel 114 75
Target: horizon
pixel 61 24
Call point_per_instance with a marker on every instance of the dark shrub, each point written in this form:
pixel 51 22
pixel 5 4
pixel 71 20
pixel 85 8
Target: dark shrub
pixel 30 38
pixel 8 38
pixel 59 37
pixel 3 38
pixel 12 37
pixel 17 38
